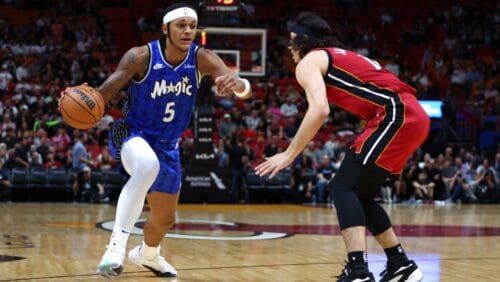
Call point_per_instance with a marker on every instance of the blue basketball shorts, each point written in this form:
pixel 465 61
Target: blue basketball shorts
pixel 169 177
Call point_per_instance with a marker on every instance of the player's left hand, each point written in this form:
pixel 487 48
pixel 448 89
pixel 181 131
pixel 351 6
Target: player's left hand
pixel 274 164
pixel 227 84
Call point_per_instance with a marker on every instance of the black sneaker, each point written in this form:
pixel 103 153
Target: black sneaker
pixel 401 273
pixel 349 275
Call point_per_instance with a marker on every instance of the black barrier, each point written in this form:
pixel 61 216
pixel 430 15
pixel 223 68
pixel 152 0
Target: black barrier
pixel 203 180
pixel 205 185
pixel 204 125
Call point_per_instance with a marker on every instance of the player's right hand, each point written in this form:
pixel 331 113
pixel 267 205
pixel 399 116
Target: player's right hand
pixel 63 93
pixel 61 96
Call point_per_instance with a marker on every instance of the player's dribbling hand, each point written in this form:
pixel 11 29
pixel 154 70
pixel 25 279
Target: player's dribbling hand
pixel 226 84
pixel 63 93
pixel 61 96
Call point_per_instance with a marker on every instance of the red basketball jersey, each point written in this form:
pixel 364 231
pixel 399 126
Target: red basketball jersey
pixel 396 123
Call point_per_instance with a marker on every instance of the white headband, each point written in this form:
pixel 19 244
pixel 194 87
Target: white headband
pixel 179 13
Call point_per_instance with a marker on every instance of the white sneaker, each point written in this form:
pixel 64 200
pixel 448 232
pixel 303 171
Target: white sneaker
pixel 157 265
pixel 112 262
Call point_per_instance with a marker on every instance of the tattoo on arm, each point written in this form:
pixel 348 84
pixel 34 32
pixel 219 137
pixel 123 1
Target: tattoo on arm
pixel 133 63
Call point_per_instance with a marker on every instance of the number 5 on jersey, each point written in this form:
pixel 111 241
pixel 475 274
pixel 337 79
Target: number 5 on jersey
pixel 169 112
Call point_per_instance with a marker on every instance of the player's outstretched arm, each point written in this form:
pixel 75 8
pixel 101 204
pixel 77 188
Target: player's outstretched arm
pixel 309 73
pixel 133 64
pixel 226 80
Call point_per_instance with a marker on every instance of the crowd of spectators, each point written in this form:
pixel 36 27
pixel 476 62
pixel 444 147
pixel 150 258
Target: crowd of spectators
pixel 65 43
pixel 61 43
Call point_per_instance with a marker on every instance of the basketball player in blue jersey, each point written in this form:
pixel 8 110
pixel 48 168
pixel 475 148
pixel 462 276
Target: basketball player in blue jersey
pixel 163 77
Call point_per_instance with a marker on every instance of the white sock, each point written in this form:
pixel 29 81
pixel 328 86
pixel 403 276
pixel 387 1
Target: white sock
pixel 142 164
pixel 149 252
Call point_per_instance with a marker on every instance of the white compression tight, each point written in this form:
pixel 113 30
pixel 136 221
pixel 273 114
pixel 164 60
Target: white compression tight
pixel 141 163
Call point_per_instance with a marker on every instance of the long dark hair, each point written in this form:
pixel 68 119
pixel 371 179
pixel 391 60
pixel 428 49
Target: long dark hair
pixel 312 32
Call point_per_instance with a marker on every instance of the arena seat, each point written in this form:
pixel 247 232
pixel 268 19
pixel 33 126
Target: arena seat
pixel 19 179
pixel 38 178
pixel 113 183
pixel 57 178
pixel 252 181
pixel 57 185
pixel 263 189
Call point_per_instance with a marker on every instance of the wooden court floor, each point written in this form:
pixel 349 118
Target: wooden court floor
pixel 64 242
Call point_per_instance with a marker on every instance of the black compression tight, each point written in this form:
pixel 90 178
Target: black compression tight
pixel 352 189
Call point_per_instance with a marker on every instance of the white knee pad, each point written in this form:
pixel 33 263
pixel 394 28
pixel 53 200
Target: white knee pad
pixel 138 158
pixel 141 162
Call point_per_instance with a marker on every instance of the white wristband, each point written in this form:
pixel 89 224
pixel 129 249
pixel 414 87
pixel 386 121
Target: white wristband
pixel 245 91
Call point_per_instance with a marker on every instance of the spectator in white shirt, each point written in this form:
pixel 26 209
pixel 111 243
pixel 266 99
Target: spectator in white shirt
pixel 22 72
pixel 5 78
pixel 289 109
pixel 253 120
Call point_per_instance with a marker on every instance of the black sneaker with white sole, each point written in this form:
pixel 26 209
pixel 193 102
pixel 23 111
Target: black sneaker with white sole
pixel 408 272
pixel 350 275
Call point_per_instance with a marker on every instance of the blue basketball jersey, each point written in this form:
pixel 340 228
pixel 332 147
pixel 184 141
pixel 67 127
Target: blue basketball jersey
pixel 161 104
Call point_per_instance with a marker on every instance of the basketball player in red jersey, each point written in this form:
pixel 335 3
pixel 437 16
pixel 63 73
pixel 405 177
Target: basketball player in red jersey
pixel 396 126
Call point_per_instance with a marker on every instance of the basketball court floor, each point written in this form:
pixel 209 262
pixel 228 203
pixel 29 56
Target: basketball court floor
pixel 64 242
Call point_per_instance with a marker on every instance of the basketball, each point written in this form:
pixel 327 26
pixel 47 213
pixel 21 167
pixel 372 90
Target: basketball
pixel 82 106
